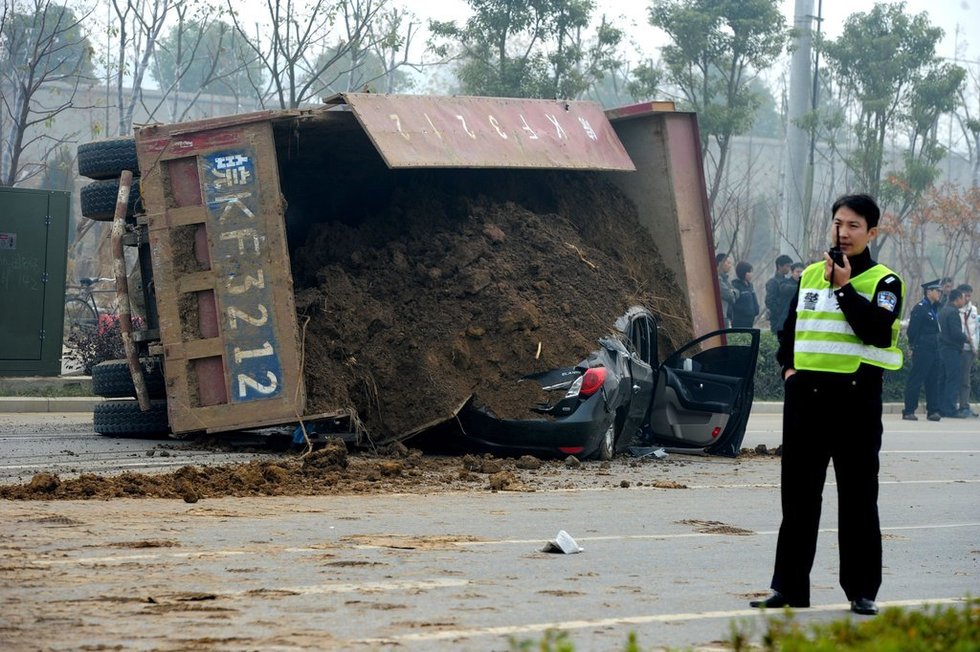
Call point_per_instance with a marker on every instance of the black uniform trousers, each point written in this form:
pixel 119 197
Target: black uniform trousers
pixel 950 361
pixel 926 370
pixel 830 417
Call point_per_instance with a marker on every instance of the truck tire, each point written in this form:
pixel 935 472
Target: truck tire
pixel 121 418
pixel 111 379
pixel 99 200
pixel 106 159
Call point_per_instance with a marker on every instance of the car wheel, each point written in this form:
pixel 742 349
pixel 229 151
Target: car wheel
pixel 607 447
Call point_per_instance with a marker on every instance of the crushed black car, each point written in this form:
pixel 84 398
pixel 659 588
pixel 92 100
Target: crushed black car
pixel 621 395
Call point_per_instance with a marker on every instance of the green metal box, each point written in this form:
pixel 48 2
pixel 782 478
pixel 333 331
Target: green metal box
pixel 33 250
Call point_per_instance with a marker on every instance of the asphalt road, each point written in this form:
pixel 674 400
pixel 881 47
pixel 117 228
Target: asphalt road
pixel 64 443
pixel 463 571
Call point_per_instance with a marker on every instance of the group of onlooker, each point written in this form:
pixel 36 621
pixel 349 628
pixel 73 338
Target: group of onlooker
pixel 943 333
pixel 739 301
pixel 943 340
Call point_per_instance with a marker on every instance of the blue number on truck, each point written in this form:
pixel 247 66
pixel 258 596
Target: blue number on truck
pixel 240 261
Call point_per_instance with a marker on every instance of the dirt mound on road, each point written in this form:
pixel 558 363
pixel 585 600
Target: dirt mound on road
pixel 331 471
pixel 465 282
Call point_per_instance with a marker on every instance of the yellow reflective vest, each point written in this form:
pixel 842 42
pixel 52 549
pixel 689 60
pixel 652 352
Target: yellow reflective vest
pixel 824 339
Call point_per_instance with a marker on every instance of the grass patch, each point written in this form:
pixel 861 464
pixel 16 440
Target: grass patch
pixel 931 629
pixel 45 388
pixel 935 628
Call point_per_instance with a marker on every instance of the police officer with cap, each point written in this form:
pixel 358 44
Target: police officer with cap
pixel 923 334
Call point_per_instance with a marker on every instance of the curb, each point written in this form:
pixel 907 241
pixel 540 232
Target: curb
pixel 34 404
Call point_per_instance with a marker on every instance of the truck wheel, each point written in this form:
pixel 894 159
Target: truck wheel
pixel 99 200
pixel 111 379
pixel 125 418
pixel 106 159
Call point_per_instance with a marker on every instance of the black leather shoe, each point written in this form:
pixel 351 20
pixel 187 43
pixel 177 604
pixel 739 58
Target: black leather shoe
pixel 864 606
pixel 935 416
pixel 910 417
pixel 776 601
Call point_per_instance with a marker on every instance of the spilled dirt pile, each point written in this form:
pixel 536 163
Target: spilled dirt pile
pixel 462 284
pixel 324 471
pixel 331 471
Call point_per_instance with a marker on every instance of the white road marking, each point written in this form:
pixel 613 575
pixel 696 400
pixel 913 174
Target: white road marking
pixel 932 452
pixel 692 535
pixel 509 630
pixel 460 544
pixel 829 483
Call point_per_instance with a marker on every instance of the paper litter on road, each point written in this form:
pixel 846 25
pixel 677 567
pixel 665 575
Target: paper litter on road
pixel 563 543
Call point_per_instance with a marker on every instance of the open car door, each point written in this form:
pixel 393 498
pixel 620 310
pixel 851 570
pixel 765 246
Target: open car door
pixel 704 392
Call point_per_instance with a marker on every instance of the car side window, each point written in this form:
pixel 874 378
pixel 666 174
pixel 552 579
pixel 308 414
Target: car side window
pixel 650 331
pixel 640 334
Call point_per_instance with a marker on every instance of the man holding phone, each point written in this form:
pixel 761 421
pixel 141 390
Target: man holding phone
pixel 840 334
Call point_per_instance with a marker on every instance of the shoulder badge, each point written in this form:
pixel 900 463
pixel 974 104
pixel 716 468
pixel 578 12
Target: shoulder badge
pixel 887 300
pixel 889 279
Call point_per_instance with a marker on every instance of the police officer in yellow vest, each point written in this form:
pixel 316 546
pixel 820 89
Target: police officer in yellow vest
pixel 839 336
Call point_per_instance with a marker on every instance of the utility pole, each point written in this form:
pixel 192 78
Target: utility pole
pixel 794 177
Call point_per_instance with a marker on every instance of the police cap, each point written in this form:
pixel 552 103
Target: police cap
pixel 932 285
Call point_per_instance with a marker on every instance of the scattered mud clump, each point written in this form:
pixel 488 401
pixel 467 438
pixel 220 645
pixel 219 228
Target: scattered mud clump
pixel 461 284
pixel 44 483
pixel 506 481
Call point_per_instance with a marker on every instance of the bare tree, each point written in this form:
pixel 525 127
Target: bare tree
pixel 298 43
pixel 375 61
pixel 391 39
pixel 139 24
pixel 201 54
pixel 44 60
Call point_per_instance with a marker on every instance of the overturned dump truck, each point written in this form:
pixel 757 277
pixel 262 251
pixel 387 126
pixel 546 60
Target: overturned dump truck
pixel 387 265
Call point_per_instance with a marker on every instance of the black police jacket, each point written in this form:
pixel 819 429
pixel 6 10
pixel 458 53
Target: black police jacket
pixel 923 330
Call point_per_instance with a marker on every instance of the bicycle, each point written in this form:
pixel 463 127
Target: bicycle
pixel 81 309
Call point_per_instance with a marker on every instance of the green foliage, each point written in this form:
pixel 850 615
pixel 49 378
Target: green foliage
pixel 768 384
pixel 56 388
pixel 717 46
pixel 950 629
pixel 886 60
pixel 646 81
pixel 529 48
pixel 553 641
pixel 954 629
